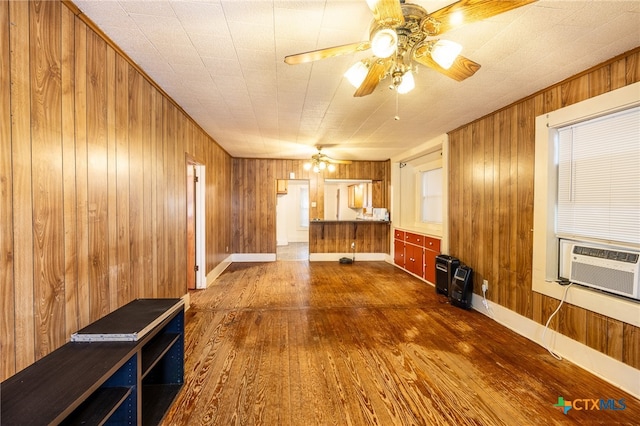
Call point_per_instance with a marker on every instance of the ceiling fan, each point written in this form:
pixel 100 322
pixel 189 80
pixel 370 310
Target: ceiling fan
pixel 403 33
pixel 320 162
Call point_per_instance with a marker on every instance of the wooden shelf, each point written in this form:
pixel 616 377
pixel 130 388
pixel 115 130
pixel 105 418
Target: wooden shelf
pixel 101 381
pixel 99 407
pixel 155 349
pixel 156 399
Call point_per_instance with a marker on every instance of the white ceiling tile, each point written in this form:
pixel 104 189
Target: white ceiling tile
pixel 148 7
pixel 298 23
pixel 162 30
pixel 201 17
pixel 249 12
pixel 117 16
pixel 258 38
pixel 179 54
pixel 211 46
pixel 223 62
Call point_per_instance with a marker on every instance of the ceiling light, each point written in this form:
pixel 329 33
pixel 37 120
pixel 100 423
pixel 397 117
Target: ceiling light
pixel 407 84
pixel 444 52
pixel 356 74
pixel 383 42
pixel 318 164
pixel 456 19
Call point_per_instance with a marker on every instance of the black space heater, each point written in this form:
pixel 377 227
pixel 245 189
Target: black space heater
pixel 461 287
pixel 445 267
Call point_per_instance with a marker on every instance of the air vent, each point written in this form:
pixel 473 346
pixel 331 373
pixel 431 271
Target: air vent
pixel 613 271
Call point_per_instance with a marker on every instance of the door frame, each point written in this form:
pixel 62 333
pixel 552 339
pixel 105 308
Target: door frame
pixel 199 220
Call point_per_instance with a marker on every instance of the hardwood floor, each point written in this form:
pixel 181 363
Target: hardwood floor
pixel 299 343
pixel 293 251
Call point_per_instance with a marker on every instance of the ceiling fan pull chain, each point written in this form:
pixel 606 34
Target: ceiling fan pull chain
pixel 397 116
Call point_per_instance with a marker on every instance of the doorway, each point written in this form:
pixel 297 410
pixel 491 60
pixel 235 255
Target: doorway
pixel 195 232
pixel 292 221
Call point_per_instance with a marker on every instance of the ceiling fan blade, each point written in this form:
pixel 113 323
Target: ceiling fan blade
pixel 334 161
pixel 387 12
pixel 376 71
pixel 473 11
pixel 461 69
pixel 329 52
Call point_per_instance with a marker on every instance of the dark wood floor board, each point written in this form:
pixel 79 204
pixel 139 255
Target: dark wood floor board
pixel 299 343
pixel 321 400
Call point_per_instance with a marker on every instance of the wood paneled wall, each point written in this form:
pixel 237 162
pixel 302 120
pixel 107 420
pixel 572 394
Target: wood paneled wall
pixel 254 197
pixel 92 182
pixel 491 207
pixel 336 237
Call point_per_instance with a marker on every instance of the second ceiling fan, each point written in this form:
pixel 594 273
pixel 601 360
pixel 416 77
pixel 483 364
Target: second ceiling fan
pixel 402 33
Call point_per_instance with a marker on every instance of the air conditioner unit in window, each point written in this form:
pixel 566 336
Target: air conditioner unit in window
pixel 614 271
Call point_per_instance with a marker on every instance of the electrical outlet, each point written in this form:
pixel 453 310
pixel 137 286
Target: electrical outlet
pixel 485 286
pixel 353 245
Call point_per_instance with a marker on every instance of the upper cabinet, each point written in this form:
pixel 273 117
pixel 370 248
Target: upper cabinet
pixel 281 186
pixel 356 196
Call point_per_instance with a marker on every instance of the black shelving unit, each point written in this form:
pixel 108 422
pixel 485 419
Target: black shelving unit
pixel 126 368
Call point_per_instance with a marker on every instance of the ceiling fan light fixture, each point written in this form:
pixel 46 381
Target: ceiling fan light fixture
pixel 356 74
pixel 444 52
pixel 456 19
pixel 384 42
pixel 319 163
pixel 407 84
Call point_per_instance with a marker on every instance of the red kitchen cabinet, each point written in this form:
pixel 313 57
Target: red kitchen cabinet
pixel 416 253
pixel 414 259
pixel 398 253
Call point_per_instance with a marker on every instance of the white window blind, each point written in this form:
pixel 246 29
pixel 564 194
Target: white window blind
pixel 599 179
pixel 432 196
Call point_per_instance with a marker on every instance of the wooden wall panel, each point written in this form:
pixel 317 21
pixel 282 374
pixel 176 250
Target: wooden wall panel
pixel 156 190
pixel 136 176
pixel 69 171
pixel 124 292
pixel 7 295
pixel 147 191
pixel 171 117
pixel 499 169
pixel 81 297
pixel 92 185
pixel 46 148
pixel 524 230
pixel 22 200
pixel 336 237
pixel 96 177
pixel 254 197
pixel 111 180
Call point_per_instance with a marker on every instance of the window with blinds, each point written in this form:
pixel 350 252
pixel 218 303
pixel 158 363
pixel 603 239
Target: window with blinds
pixel 599 179
pixel 431 195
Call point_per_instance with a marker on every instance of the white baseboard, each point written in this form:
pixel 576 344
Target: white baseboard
pixel 218 270
pixel 187 301
pixel 613 371
pixel 334 257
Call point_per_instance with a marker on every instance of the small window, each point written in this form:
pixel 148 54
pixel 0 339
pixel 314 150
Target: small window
pixel 431 202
